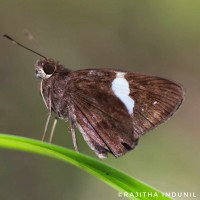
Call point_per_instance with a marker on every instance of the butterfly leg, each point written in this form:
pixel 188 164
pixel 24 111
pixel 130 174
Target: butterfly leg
pixel 53 129
pixel 72 123
pixel 72 129
pixel 48 119
pixel 46 125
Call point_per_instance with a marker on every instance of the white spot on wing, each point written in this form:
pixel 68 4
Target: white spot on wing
pixel 155 102
pixel 120 87
pixel 92 72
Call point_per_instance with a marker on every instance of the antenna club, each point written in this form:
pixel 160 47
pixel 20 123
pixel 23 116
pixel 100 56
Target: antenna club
pixel 8 37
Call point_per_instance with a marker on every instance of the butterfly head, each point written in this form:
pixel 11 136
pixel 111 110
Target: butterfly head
pixel 45 68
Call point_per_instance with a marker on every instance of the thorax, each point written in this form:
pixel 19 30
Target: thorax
pixel 54 94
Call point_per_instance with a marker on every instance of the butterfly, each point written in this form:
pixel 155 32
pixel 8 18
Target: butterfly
pixel 111 108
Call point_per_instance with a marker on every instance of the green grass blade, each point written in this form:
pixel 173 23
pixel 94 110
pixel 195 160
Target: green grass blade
pixel 113 177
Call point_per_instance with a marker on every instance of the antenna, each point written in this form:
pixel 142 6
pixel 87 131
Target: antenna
pixel 21 45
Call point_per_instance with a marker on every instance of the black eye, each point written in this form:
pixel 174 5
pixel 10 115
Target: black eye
pixel 49 68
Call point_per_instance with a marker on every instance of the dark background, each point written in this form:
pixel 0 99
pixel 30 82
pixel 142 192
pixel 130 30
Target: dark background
pixel 154 37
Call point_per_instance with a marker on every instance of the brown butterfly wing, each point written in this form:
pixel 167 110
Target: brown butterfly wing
pixel 156 99
pixel 115 133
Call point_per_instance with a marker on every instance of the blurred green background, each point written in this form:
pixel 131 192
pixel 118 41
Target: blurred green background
pixel 155 37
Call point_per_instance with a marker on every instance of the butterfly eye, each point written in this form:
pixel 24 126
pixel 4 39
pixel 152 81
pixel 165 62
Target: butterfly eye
pixel 49 68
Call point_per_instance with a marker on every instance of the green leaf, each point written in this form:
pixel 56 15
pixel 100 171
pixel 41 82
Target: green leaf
pixel 113 177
